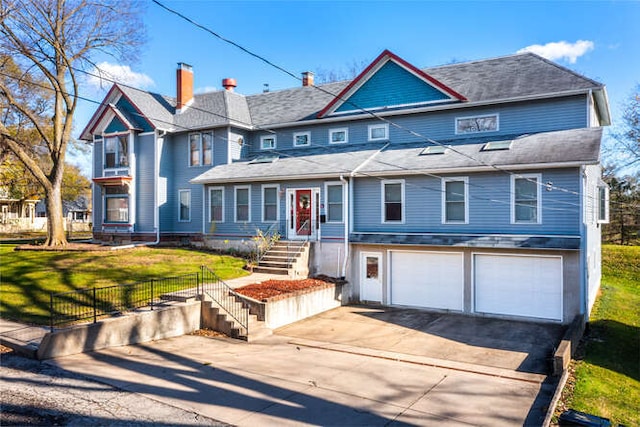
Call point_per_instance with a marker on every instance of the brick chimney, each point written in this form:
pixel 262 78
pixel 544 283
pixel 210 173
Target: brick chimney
pixel 229 84
pixel 184 83
pixel 307 78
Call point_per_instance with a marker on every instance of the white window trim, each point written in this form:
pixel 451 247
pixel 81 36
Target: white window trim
pixel 464 179
pixel 104 208
pixel 336 130
pixel 265 137
pixel 179 204
pixel 212 189
pixel 479 116
pixel 235 202
pixel 202 148
pixel 277 187
pixel 326 200
pixel 538 178
pixel 297 134
pixel 604 220
pixel 402 201
pixel 104 150
pixel 370 129
pixel 199 149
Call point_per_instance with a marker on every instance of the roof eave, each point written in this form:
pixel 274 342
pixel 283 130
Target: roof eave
pixel 438 107
pixel 470 169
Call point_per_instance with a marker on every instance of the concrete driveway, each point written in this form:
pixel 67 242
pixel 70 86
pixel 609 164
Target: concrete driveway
pixel 343 374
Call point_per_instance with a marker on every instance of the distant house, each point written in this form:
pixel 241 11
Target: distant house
pixel 471 187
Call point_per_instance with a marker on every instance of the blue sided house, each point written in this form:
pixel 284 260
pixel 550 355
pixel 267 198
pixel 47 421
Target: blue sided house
pixel 471 188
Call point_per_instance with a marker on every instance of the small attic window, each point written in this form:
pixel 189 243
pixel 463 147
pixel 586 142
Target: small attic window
pixel 269 158
pixel 434 149
pixel 497 145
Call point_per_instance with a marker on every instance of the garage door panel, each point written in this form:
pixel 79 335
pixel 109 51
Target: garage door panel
pixel 431 280
pixel 527 286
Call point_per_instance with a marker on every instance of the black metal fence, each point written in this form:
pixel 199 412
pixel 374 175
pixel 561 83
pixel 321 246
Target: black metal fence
pixel 88 304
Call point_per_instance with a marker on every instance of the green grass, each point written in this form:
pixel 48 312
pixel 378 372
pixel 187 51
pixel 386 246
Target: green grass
pixel 27 278
pixel 607 379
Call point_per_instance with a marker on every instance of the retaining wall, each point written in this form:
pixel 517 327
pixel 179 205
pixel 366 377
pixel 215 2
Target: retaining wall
pixel 137 327
pixel 286 309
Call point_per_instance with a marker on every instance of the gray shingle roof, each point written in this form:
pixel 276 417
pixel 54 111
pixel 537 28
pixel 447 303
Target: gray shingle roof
pixel 578 146
pixel 479 81
pixel 298 164
pixel 512 76
pixel 158 109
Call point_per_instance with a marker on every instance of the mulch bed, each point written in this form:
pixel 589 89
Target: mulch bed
pixel 274 288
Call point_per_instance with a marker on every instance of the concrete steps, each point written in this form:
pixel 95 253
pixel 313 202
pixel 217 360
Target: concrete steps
pixel 285 258
pixel 216 318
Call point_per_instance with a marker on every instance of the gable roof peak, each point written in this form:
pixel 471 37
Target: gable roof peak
pixel 372 69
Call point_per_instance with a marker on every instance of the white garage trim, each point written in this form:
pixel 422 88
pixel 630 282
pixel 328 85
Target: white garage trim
pixel 452 296
pixel 534 289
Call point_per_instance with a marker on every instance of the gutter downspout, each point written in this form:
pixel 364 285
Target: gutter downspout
pixel 345 210
pixel 348 207
pixel 156 178
pixel 584 286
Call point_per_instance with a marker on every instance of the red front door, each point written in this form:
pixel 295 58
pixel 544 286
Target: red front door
pixel 303 212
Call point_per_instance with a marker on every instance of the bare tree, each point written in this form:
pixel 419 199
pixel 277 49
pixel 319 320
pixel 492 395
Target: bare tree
pixel 49 42
pixel 627 136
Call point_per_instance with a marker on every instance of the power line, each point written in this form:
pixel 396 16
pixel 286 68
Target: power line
pixel 364 110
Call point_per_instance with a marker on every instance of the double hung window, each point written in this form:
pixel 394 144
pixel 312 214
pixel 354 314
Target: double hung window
pixel 269 203
pixel 201 149
pixel 116 201
pixel 454 200
pixel 243 204
pixel 216 204
pixel 116 151
pixel 525 198
pixel 334 195
pixel 393 201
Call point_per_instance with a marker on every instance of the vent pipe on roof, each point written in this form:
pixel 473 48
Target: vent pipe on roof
pixel 307 78
pixel 229 84
pixel 184 84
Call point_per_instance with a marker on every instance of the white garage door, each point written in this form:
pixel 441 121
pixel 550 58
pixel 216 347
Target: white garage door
pixel 528 286
pixel 427 279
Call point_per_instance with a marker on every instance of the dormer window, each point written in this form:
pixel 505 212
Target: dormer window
pixel 116 151
pixel 268 142
pixel 338 136
pixel 379 132
pixel 301 139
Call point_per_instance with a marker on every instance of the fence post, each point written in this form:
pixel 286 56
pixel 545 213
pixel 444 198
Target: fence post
pixel 95 314
pixel 151 294
pixel 51 311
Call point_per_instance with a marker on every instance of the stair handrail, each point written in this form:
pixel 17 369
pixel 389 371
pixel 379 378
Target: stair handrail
pixel 291 257
pixel 215 288
pixel 269 237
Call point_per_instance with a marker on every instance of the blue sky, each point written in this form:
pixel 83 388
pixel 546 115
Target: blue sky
pixel 601 41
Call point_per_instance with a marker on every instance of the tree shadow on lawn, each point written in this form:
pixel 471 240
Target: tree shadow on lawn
pixel 614 346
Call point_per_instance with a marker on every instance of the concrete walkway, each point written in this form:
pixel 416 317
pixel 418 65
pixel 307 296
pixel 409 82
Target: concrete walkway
pixel 284 381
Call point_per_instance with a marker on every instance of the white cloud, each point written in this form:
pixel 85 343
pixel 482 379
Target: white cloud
pixel 106 73
pixel 561 50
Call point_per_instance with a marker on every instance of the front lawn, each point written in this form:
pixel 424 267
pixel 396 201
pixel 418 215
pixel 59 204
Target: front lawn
pixel 27 278
pixel 606 378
